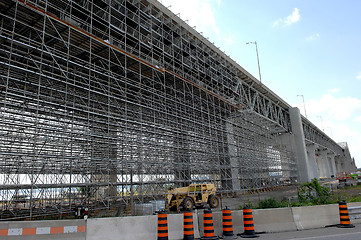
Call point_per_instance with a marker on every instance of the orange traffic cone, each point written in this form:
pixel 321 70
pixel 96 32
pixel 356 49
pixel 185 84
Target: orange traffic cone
pixel 162 226
pixel 227 224
pixel 248 223
pixel 344 217
pixel 188 230
pixel 208 225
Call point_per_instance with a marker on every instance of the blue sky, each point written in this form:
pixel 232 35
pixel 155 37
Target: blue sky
pixel 306 47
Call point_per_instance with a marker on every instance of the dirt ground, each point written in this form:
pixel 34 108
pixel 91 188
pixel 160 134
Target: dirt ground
pixel 282 193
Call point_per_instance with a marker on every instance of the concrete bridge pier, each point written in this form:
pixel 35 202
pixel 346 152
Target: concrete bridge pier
pixel 331 159
pixel 311 158
pixel 182 171
pixel 326 163
pixel 339 168
pixel 299 146
pixel 320 167
pixel 295 142
pixel 233 159
pixel 323 163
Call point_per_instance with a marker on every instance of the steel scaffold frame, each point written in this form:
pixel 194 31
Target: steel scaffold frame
pixel 103 102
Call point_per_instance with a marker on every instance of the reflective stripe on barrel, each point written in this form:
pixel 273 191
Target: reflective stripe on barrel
pixel 344 217
pixel 208 223
pixel 188 230
pixel 248 223
pixel 162 226
pixel 248 220
pixel 227 222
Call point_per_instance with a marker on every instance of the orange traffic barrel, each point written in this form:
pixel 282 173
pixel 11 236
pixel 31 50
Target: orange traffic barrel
pixel 162 226
pixel 208 225
pixel 227 224
pixel 344 217
pixel 188 229
pixel 248 223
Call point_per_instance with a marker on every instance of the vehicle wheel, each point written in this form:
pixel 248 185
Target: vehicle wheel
pixel 188 203
pixel 213 201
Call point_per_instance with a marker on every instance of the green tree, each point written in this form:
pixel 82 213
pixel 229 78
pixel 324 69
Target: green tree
pixel 313 192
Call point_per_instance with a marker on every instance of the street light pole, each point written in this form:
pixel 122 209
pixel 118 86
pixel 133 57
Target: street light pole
pixel 331 132
pixel 304 105
pixel 323 129
pixel 259 68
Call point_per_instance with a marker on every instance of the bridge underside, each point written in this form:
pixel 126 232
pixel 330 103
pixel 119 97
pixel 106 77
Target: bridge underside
pixel 88 117
pixel 117 101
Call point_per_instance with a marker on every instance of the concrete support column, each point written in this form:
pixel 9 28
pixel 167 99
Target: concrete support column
pixel 320 165
pixel 104 151
pixel 182 171
pixel 340 165
pixel 336 166
pixel 325 163
pixel 312 164
pixel 331 159
pixel 299 146
pixel 233 158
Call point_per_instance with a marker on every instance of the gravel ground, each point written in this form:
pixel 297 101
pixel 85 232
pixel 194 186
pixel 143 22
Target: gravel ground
pixel 288 193
pixel 282 193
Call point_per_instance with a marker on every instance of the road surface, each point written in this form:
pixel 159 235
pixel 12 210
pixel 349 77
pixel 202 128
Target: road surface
pixel 329 233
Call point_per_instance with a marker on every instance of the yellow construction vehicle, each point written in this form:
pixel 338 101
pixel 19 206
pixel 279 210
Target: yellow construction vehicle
pixel 195 195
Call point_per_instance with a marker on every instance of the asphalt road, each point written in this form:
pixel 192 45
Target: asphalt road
pixel 329 233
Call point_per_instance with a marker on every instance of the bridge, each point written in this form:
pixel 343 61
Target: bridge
pixel 116 101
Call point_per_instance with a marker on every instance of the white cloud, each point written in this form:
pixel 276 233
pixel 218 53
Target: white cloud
pixel 313 37
pixel 359 76
pixel 342 132
pixel 293 18
pixel 289 20
pixel 197 13
pixel 341 108
pixel 229 39
pixel 358 119
pixel 334 90
pixel 206 17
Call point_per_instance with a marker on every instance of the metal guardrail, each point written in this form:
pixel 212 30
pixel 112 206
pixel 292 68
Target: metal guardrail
pixel 355 212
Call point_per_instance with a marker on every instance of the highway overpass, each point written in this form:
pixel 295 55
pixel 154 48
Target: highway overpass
pixel 114 99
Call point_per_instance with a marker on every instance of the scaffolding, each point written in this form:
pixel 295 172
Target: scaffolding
pixel 114 102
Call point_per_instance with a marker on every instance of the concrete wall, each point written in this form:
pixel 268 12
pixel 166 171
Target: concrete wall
pixel 136 228
pixel 59 229
pixel 315 216
pixel 145 227
pixel 128 227
pixel 274 220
